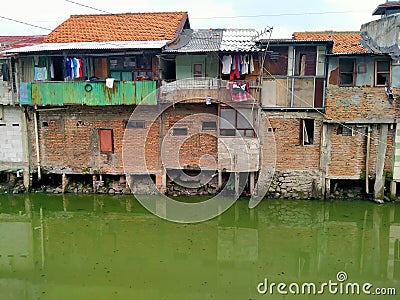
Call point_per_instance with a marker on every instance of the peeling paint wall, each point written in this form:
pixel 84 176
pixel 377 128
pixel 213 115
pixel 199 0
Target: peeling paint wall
pixel 396 75
pixel 365 67
pixel 355 110
pixel 383 36
pixel 363 102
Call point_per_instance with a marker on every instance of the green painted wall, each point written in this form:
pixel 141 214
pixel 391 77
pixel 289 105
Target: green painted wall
pixel 184 65
pixel 89 93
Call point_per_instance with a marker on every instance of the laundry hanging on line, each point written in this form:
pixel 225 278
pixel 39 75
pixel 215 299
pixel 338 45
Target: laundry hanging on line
pixel 75 67
pixel 240 91
pixel 237 65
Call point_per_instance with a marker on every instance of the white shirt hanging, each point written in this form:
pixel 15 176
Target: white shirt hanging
pixel 110 82
pixel 226 64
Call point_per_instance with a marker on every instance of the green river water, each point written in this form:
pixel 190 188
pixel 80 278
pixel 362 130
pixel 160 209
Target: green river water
pixel 110 247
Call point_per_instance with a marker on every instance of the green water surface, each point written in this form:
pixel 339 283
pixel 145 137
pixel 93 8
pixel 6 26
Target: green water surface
pixel 110 247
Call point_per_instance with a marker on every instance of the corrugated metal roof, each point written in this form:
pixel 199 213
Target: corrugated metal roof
pixel 11 42
pixel 210 40
pixel 381 9
pixel 239 40
pixel 116 45
pixel 199 40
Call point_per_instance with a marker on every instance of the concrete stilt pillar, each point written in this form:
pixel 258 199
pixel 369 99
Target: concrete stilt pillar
pixel 94 182
pixel 393 189
pixel 252 182
pixel 237 184
pixel 161 181
pixel 64 182
pixel 129 182
pixel 164 180
pixel 219 179
pixel 327 187
pixel 380 163
pixel 27 179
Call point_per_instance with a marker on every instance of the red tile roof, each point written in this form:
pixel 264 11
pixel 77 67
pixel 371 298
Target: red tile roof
pixel 119 27
pixel 8 42
pixel 344 41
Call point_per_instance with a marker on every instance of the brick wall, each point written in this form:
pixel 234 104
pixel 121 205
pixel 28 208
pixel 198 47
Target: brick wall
pixel 198 147
pixel 358 103
pixel 291 154
pixel 69 139
pixel 297 173
pixel 348 153
pixel 141 146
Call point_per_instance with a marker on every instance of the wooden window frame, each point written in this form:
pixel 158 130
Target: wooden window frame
pixel 202 70
pixel 353 72
pixel 389 72
pixel 305 61
pixel 137 70
pixel 307 137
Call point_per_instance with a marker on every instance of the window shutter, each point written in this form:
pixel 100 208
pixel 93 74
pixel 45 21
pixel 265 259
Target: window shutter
pixel 106 140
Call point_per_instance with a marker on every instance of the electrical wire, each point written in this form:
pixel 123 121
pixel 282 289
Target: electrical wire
pixel 210 41
pixel 25 23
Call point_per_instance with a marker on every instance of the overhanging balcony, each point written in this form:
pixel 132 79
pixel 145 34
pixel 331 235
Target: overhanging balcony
pixel 293 92
pixel 197 90
pixel 92 93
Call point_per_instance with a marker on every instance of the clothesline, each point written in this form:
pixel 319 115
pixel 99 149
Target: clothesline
pixel 75 67
pixel 237 65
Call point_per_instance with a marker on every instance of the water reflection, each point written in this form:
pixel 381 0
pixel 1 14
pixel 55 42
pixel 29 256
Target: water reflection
pixel 103 247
